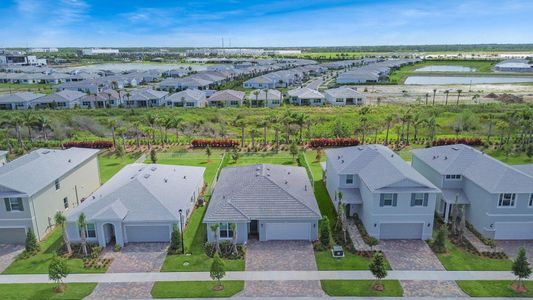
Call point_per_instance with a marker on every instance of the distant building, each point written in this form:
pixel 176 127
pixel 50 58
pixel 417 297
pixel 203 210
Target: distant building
pixel 43 50
pixel 306 96
pixel 344 96
pixel 97 51
pixel 188 98
pixel 21 60
pixel 514 65
pixel 20 100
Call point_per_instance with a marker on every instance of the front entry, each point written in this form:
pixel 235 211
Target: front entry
pixel 109 234
pixel 253 231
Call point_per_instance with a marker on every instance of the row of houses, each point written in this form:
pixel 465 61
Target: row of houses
pixel 283 78
pixel 142 202
pixel 373 72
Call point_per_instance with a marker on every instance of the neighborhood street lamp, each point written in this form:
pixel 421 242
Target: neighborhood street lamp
pixel 181 231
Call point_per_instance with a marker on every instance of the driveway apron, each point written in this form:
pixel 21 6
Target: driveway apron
pixel 8 253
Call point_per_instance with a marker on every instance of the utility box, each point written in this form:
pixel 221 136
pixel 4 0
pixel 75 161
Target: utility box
pixel 337 251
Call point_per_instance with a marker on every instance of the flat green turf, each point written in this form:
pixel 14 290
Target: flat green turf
pixel 195 289
pixel 110 164
pixel 326 262
pixel 361 288
pixel 38 291
pixel 493 288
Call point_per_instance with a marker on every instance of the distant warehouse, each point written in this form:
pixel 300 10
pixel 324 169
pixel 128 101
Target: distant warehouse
pixel 97 51
pixel 514 65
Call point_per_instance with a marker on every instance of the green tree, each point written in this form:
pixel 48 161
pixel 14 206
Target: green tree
pixel 235 154
pixel 233 228
pixel 82 224
pixel 58 270
pixel 208 153
pixel 31 242
pixel 217 271
pixel 153 156
pixel 293 149
pixel 378 269
pixel 60 220
pixel 325 232
pixel 175 241
pixel 372 242
pixel 439 245
pixel 113 125
pixel 214 229
pixel 521 268
pixel 119 150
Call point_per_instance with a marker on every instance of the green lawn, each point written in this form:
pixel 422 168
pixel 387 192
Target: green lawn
pixel 361 288
pixel 281 158
pixel 322 197
pixel 38 264
pixel 350 261
pixel 493 288
pixel 512 159
pixel 36 291
pixel 195 289
pixel 110 164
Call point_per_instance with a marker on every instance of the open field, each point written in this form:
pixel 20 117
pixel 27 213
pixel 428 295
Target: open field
pixel 481 67
pixel 7 88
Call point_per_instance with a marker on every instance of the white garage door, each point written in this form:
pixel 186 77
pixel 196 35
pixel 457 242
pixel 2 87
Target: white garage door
pixel 513 231
pixel 144 234
pixel 401 231
pixel 12 235
pixel 287 231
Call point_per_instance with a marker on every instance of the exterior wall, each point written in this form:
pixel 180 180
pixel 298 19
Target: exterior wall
pixel 242 233
pixel 3 160
pixel 332 181
pixel 333 101
pixel 427 171
pixel 262 232
pixel 76 186
pixel 16 219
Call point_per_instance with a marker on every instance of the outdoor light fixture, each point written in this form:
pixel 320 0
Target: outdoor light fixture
pixel 375 225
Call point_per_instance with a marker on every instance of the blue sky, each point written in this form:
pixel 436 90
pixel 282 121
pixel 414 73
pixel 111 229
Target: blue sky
pixel 285 23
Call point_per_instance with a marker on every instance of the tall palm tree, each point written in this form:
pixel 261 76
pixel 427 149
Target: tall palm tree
pixel 417 121
pixel 28 120
pixel 432 127
pixel 82 224
pixel 137 126
pixel 388 121
pixel 264 124
pixel 447 93
pixel 408 118
pixel 458 96
pixel 214 229
pixel 300 120
pixel 121 132
pixel 44 123
pixel 490 118
pixel 434 94
pixel 287 120
pixel 253 134
pixel 113 125
pixel 151 119
pixel 256 94
pixel 60 220
pixel 239 122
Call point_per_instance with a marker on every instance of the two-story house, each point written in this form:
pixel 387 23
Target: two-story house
pixel 498 198
pixel 37 185
pixel 392 199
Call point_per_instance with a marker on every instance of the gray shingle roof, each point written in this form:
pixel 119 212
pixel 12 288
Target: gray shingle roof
pixel 64 95
pixel 272 95
pixel 227 95
pixel 143 193
pixel 342 92
pixel 19 97
pixel 188 95
pixel 489 173
pixel 34 171
pixel 378 166
pixel 528 169
pixel 262 192
pixel 306 93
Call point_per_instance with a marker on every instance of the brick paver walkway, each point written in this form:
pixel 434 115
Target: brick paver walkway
pixel 478 244
pixel 417 255
pixel 138 257
pixel 357 240
pixel 281 256
pixel 8 253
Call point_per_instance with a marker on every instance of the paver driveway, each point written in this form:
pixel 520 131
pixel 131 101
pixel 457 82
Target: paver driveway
pixel 281 256
pixel 135 257
pixel 416 255
pixel 8 253
pixel 511 248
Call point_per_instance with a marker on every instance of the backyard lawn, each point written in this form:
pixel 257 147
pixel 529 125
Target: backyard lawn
pixel 322 197
pixel 38 264
pixel 109 164
pixel 195 289
pixel 493 288
pixel 280 158
pixel 361 288
pixel 44 291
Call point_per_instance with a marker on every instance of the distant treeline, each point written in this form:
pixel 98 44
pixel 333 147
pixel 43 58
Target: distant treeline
pixel 426 48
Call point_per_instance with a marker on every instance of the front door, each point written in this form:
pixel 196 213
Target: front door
pixel 253 232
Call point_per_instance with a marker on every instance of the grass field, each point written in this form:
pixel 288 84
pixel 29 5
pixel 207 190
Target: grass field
pixel 361 288
pixel 493 288
pixel 38 264
pixel 280 158
pixel 109 164
pixel 35 291
pixel 195 289
pixel 6 88
pixel 481 66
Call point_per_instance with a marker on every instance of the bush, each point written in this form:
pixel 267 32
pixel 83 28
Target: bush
pixel 31 242
pixel 215 143
pixel 89 144
pixel 324 232
pixel 439 244
pixel 337 142
pixel 175 241
pixel 453 141
pixel 226 248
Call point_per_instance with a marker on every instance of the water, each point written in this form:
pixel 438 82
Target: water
pixel 428 80
pixel 136 66
pixel 445 69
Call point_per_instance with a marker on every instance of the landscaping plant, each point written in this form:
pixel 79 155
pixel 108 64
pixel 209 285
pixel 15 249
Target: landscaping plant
pixel 60 220
pixel 325 232
pixel 217 271
pixel 57 271
pixel 32 246
pixel 439 244
pixel 378 269
pixel 153 156
pixel 521 269
pixel 82 223
pixel 175 241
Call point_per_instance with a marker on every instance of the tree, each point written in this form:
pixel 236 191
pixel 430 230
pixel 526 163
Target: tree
pixel 153 156
pixel 82 224
pixel 372 242
pixel 217 271
pixel 233 228
pixel 447 93
pixel 119 151
pixel 325 232
pixel 60 220
pixel 235 154
pixel 388 120
pixel 113 126
pixel 434 94
pixel 318 156
pixel 44 124
pixel 208 153
pixel 28 120
pixel 57 271
pixel 521 268
pixel 214 229
pixel 175 241
pixel 31 242
pixel 439 245
pixel 293 149
pixel 458 96
pixel 377 267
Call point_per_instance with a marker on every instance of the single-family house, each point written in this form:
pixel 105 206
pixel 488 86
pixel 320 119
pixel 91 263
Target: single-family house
pixel 266 202
pixel 344 96
pixel 188 98
pixel 35 186
pixel 306 96
pixel 145 98
pixel 497 198
pixel 226 98
pixel 258 98
pixel 103 99
pixel 20 100
pixel 260 82
pixel 141 203
pixel 392 200
pixel 61 100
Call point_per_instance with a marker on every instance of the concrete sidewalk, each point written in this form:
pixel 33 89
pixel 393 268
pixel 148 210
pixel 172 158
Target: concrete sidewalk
pixel 264 275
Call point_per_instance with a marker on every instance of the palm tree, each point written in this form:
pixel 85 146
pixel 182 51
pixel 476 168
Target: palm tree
pixel 287 120
pixel 434 94
pixel 388 120
pixel 43 123
pixel 152 120
pixel 214 229
pixel 239 122
pixel 28 120
pixel 121 131
pixel 447 93
pixel 177 124
pixel 256 94
pixel 253 133
pixel 408 117
pixel 113 125
pixel 137 126
pixel 458 96
pixel 264 124
pixel 490 118
pixel 432 126
pixel 300 119
pixel 60 220
pixel 363 112
pixel 82 223
pixel 16 122
pixel 417 121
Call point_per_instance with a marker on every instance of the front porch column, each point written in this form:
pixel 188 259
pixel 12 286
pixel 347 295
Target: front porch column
pixel 446 212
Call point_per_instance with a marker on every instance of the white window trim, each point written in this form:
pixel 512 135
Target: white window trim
pixel 421 200
pixel 11 204
pixel 391 200
pixel 87 231
pixel 513 199
pixel 346 180
pixel 229 229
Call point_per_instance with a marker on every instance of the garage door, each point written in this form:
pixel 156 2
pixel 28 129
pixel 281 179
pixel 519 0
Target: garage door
pixel 287 231
pixel 513 231
pixel 12 235
pixel 401 231
pixel 144 234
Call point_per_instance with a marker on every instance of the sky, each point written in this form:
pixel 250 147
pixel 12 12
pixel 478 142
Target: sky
pixel 274 23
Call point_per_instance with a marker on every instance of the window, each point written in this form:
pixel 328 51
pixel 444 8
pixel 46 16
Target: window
pixel 90 230
pixel 225 231
pixel 453 177
pixel 169 103
pixel 234 103
pixel 419 199
pixel 531 200
pixel 388 200
pixel 190 104
pixel 507 200
pixel 86 103
pixel 275 101
pixel 14 204
pixel 65 202
pixel 58 186
pixel 339 100
pixel 317 100
pixel 349 179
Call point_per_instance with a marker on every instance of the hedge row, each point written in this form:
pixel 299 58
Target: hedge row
pixel 218 143
pixel 338 142
pixel 87 144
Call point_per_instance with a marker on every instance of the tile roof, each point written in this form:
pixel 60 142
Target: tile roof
pixel 227 95
pixel 20 97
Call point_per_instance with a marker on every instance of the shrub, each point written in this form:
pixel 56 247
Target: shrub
pixel 453 141
pixel 215 143
pixel 89 144
pixel 226 248
pixel 31 242
pixel 337 142
pixel 325 232
pixel 175 241
pixel 439 244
